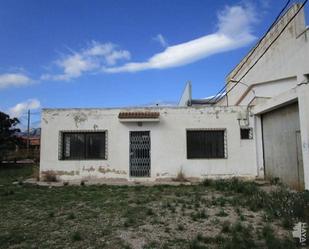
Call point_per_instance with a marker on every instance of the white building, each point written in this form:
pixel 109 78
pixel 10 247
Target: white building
pixel 259 128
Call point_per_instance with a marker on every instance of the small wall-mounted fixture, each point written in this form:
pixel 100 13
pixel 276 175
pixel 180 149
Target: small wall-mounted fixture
pixel 304 80
pixel 242 119
pixel 139 123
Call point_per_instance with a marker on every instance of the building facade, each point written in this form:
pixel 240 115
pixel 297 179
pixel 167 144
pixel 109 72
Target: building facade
pixel 127 144
pixel 272 81
pixel 259 128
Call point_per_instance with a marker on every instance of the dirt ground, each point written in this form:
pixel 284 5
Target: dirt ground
pixel 212 214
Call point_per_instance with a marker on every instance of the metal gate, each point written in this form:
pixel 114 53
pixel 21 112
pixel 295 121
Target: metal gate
pixel 282 146
pixel 140 153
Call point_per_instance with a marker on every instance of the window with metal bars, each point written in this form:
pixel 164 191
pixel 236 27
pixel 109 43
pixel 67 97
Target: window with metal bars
pixel 246 133
pixel 206 144
pixel 83 145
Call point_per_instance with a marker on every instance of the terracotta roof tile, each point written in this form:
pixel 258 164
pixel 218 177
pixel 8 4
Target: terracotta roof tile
pixel 137 115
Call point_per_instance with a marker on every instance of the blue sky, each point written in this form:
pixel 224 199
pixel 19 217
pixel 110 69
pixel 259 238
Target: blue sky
pixel 61 53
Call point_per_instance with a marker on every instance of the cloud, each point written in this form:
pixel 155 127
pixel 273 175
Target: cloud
pixel 108 53
pixel 160 38
pixel 236 21
pixel 73 66
pixel 234 30
pixel 14 79
pixel 88 60
pixel 21 108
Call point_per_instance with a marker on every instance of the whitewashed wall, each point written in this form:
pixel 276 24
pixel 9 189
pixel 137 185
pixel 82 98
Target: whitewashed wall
pixel 280 67
pixel 280 77
pixel 168 143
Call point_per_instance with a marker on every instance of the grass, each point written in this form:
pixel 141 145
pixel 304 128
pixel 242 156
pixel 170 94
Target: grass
pixel 236 214
pixel 14 173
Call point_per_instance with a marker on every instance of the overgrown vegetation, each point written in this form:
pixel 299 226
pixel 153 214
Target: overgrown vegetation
pixel 50 176
pixel 181 177
pixel 8 139
pixel 214 214
pixel 282 203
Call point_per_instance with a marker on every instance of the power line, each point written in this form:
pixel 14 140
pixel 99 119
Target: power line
pixel 220 92
pixel 238 81
pixel 219 95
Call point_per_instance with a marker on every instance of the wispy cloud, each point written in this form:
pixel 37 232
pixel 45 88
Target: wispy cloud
pixel 160 39
pixel 14 79
pixel 87 60
pixel 234 31
pixel 20 108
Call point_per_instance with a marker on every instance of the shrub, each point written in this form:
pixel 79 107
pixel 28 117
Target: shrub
pixel 272 242
pixel 50 176
pixel 199 237
pixel 36 173
pixel 241 237
pixel 151 245
pixel 226 227
pixel 196 244
pixel 233 184
pixel 207 182
pixel 8 192
pixel 199 215
pixel 222 213
pixel 181 227
pixel 281 204
pixel 129 222
pixel 287 223
pixel 274 180
pixel 76 236
pixel 149 212
pixel 180 177
pixel 71 216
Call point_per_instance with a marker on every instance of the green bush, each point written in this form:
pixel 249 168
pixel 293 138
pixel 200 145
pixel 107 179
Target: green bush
pixel 76 236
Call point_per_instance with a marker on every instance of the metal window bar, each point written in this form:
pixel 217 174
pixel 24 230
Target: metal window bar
pixel 140 154
pixel 206 144
pixel 82 145
pixel 246 133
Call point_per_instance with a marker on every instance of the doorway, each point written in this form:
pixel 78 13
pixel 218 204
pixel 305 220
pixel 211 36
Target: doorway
pixel 140 153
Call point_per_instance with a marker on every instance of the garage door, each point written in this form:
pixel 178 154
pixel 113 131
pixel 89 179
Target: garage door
pixel 282 146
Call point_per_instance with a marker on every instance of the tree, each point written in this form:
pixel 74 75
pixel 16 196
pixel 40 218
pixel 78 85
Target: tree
pixel 8 138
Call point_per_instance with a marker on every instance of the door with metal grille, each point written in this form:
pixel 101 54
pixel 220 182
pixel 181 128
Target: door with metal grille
pixel 140 153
